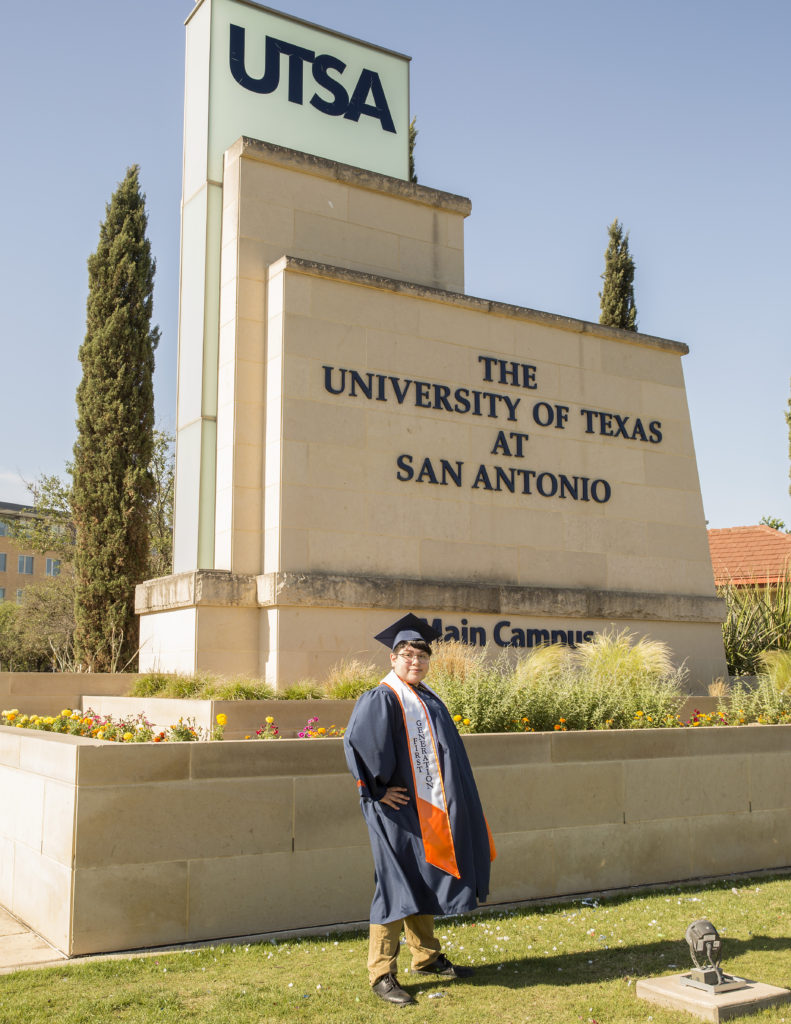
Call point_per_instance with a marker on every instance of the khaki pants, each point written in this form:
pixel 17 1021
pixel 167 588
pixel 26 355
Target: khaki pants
pixel 383 944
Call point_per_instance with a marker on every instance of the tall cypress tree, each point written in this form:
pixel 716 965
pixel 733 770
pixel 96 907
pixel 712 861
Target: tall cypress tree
pixel 113 486
pixel 617 296
pixel 413 134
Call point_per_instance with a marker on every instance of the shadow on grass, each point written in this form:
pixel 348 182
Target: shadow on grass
pixel 599 965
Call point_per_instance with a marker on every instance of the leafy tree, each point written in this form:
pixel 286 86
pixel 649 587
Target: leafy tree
pixel 45 625
pixel 773 521
pixel 113 487
pixel 50 528
pixel 9 646
pixel 617 296
pixel 413 134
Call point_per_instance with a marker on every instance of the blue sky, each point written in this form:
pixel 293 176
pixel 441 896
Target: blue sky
pixel 554 119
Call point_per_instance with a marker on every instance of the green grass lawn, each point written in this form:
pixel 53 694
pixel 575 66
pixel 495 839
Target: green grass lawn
pixel 569 962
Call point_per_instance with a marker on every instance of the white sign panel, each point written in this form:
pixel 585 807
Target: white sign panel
pixel 281 80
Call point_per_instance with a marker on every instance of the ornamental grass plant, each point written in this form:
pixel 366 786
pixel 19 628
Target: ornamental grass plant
pixel 201 686
pixel 766 699
pixel 303 689
pixel 613 681
pixel 488 700
pixel 483 696
pixel 561 963
pixel 351 677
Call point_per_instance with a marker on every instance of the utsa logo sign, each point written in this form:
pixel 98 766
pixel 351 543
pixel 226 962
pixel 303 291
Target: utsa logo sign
pixel 367 98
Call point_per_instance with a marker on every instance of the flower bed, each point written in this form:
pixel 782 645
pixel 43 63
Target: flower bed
pixel 136 728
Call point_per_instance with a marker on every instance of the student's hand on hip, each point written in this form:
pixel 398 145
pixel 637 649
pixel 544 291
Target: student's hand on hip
pixel 395 797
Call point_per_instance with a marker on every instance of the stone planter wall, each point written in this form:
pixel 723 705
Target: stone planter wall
pixel 106 847
pixel 45 693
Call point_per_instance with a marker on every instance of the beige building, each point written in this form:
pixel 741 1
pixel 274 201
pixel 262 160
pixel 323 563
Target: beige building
pixel 20 565
pixel 385 441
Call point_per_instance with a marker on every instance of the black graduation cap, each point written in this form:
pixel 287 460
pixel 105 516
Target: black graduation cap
pixel 410 627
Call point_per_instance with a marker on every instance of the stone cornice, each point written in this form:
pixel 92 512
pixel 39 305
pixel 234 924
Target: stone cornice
pixel 488 306
pixel 327 590
pixel 320 167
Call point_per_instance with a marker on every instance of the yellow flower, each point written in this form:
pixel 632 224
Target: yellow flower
pixel 321 730
pixel 10 715
pixel 100 734
pixel 128 737
pixel 222 719
pixel 638 714
pixel 65 713
pixel 457 718
pixel 269 720
pixel 247 737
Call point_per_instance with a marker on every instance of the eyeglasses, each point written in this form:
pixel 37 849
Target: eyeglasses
pixel 421 659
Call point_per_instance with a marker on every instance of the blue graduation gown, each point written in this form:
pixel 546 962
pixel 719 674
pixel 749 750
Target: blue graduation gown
pixel 377 754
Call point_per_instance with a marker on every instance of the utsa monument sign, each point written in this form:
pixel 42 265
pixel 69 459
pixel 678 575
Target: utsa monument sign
pixel 356 435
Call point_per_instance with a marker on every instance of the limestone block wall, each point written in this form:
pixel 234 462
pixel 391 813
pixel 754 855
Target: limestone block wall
pixel 46 693
pixel 374 424
pixel 278 201
pixel 346 483
pixel 38 794
pixel 203 841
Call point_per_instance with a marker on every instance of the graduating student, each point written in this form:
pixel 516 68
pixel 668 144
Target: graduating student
pixel 431 845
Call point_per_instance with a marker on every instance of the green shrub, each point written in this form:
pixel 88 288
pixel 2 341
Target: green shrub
pixel 758 619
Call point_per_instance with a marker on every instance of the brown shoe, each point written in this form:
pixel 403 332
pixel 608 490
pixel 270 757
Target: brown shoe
pixel 443 968
pixel 387 988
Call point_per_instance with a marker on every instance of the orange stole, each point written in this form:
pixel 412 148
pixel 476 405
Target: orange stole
pixel 432 806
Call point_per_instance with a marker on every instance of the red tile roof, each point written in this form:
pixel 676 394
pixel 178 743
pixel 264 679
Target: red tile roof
pixel 749 554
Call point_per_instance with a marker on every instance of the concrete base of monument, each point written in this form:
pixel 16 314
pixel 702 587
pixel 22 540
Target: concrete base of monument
pixel 289 626
pixel 670 993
